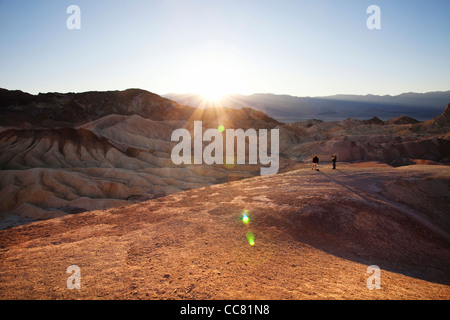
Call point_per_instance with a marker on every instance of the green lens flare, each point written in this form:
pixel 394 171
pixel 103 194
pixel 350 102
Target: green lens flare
pixel 251 238
pixel 221 128
pixel 245 218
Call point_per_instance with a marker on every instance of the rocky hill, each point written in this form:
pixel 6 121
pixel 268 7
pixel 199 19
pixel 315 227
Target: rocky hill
pixel 310 235
pixel 69 153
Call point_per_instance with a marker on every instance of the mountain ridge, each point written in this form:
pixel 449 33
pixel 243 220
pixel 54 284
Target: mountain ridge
pixel 49 110
pixel 287 108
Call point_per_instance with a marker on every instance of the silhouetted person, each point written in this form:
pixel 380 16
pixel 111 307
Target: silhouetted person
pixel 315 163
pixel 333 160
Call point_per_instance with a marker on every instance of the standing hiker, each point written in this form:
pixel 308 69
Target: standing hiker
pixel 333 160
pixel 315 163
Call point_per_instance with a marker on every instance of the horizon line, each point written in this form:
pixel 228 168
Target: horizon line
pixel 237 94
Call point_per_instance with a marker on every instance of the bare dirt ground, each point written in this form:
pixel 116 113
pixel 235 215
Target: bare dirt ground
pixel 315 235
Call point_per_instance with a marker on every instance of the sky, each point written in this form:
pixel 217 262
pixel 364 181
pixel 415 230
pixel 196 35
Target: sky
pixel 215 47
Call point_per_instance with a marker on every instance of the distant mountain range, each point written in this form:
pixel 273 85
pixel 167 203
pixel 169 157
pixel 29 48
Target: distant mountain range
pixel 67 109
pixel 288 109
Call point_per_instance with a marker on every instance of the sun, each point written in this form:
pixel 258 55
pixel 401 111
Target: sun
pixel 212 75
pixel 212 80
pixel 212 94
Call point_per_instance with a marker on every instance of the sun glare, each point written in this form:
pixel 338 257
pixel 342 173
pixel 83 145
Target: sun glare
pixel 212 74
pixel 212 80
pixel 211 95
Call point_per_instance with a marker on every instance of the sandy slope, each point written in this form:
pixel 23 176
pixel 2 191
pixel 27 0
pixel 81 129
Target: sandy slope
pixel 315 235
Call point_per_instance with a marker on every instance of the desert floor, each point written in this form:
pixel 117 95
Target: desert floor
pixel 315 234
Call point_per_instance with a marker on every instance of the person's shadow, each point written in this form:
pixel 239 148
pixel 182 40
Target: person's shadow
pixel 356 192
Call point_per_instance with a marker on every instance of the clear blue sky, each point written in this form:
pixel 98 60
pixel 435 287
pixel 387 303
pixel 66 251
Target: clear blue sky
pixel 302 48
